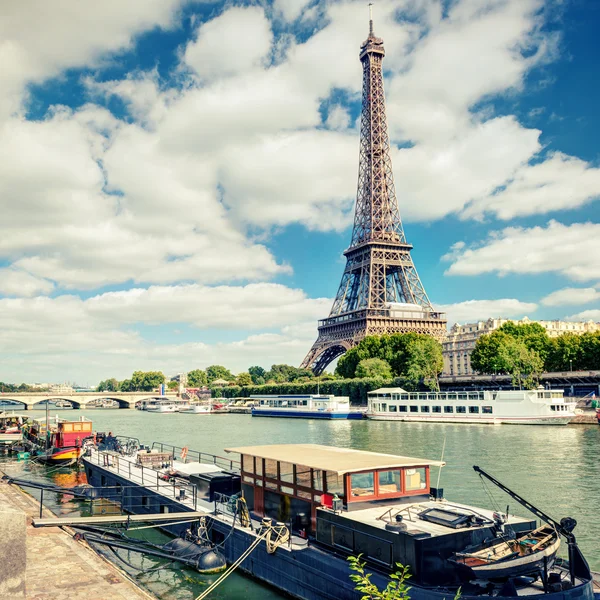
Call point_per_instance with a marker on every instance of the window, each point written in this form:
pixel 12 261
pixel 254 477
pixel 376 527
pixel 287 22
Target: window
pixel 393 408
pixel 425 409
pixel 436 409
pixel 473 409
pixel 271 468
pixel 287 490
pixel 414 409
pixel 448 409
pixel 415 479
pixel 389 482
pixel 335 483
pixel 402 408
pixel 144 500
pixel 362 484
pixel 259 466
pixel 552 407
pixel 303 476
pixel 247 463
pixel 384 407
pixel 487 410
pixel 461 409
pixel 318 480
pixel 286 472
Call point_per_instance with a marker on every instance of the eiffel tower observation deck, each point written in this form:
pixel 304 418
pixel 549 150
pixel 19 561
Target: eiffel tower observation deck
pixel 380 291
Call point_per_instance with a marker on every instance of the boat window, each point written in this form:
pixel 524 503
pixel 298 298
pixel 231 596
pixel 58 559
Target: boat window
pixel 335 483
pixel 461 409
pixel 305 495
pixel 552 407
pixel 414 409
pixel 286 472
pixel 448 409
pixel 287 490
pixel 271 468
pixel 473 409
pixel 414 396
pixel 482 395
pixel 414 479
pixel 270 486
pixel 247 463
pixel 403 396
pixel 451 396
pixel 487 410
pixel 393 408
pixel 462 396
pixel 362 484
pixel 389 481
pixel 384 407
pixel 144 500
pixel 259 466
pixel 422 396
pixel 402 408
pixel 431 396
pixel 425 409
pixel 436 409
pixel 318 480
pixel 303 476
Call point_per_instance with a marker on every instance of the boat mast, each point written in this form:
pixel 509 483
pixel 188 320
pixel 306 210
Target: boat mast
pixel 577 564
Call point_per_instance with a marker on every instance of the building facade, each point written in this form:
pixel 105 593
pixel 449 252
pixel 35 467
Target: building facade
pixel 461 339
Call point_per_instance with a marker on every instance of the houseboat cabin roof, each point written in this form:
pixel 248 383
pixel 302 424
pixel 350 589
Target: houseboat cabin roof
pixel 329 458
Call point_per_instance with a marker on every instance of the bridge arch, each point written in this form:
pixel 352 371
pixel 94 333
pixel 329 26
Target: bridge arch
pixel 9 403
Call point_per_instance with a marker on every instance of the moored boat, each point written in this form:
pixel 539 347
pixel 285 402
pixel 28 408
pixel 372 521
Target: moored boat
pixel 516 407
pixel 162 406
pixel 55 440
pixel 309 406
pixel 334 503
pixel 11 425
pixel 196 408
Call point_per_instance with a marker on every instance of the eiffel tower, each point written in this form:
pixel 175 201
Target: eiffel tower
pixel 380 291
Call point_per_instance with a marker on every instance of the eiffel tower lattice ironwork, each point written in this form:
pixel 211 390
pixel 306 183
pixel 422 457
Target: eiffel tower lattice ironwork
pixel 380 291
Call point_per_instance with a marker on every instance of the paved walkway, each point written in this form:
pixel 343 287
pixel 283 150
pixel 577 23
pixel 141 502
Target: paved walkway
pixel 60 568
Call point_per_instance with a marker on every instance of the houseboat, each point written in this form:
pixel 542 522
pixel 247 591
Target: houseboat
pixel 303 509
pixel 517 407
pixel 163 406
pixel 57 440
pixel 304 406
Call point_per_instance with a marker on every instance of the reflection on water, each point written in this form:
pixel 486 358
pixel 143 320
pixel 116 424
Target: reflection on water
pixel 556 468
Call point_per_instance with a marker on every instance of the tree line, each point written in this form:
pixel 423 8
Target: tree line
pixel 524 351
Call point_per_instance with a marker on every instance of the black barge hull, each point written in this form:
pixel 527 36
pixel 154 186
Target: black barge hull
pixel 308 574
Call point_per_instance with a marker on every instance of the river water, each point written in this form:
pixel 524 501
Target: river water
pixel 555 468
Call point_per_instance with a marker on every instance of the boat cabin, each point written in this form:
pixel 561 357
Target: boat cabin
pixel 288 482
pixel 62 433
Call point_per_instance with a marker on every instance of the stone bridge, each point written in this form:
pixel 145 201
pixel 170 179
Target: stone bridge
pixel 28 400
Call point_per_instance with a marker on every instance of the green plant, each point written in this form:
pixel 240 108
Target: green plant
pixel 396 589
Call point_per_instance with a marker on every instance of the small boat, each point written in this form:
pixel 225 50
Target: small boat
pixel 163 407
pixel 10 428
pixel 62 404
pixel 196 408
pixel 501 558
pixel 57 441
pixel 310 406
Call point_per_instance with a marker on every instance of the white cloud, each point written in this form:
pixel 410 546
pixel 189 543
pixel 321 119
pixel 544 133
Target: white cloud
pixel 41 336
pixel 338 117
pixel 38 41
pixel 558 183
pixel 586 315
pixel 237 40
pixel 570 296
pixel 477 310
pixel 18 283
pixel 290 10
pixel 570 250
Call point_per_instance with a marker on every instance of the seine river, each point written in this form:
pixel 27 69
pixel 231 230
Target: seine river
pixel 555 468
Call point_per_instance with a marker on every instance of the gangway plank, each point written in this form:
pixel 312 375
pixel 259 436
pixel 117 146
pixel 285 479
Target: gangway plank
pixel 114 519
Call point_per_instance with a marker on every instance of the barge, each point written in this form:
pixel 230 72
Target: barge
pixel 334 503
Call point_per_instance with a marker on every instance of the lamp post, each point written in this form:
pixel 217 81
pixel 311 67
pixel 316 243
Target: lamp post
pixel 571 364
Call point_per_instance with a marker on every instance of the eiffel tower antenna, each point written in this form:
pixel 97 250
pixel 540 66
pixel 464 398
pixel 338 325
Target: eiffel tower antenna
pixel 380 291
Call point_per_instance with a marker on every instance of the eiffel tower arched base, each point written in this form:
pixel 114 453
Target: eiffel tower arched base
pixel 337 335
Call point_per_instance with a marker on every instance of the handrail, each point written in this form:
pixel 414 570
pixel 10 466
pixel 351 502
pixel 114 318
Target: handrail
pixel 202 457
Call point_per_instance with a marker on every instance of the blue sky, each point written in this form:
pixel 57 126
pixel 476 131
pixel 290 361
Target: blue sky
pixel 178 179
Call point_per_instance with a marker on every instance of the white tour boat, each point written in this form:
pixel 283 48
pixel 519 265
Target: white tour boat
pixel 163 407
pixel 304 406
pixel 517 407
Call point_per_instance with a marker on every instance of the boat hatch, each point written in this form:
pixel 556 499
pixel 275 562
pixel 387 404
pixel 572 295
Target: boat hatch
pixel 448 518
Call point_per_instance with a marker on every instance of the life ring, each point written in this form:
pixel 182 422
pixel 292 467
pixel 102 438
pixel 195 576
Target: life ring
pixel 184 452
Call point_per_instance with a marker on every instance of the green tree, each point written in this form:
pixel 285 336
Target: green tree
pixel 257 374
pixel 110 385
pixel 533 335
pixel 424 363
pixel 348 363
pixel 218 372
pixel 146 381
pixel 396 589
pixel 485 357
pixel 524 364
pixel 197 378
pixel 173 385
pixel 374 367
pixel 244 379
pixel 126 386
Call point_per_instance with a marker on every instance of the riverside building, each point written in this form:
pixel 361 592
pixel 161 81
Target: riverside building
pixel 461 339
